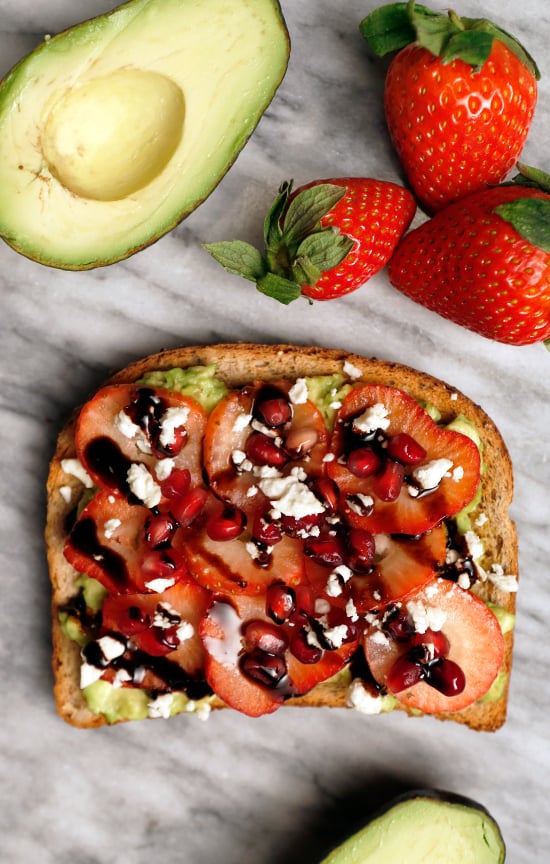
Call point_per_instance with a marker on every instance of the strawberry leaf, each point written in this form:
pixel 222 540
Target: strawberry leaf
pixel 325 249
pixel 533 177
pixel 473 47
pixel 531 219
pixel 272 229
pixel 304 272
pixel 306 209
pixel 279 288
pixel 389 28
pixel 483 25
pixel 238 257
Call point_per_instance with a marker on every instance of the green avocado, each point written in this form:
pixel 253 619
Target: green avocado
pixel 425 827
pixel 198 382
pixel 113 131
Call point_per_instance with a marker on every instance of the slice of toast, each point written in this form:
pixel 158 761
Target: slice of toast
pixel 236 365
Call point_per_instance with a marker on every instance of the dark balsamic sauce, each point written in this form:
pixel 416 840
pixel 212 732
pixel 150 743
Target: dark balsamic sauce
pixel 84 539
pixel 108 462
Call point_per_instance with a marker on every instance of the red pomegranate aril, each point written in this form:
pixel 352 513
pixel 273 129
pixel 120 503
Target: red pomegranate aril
pixel 266 531
pixel 159 529
pixel 328 493
pixel 186 508
pixel 303 650
pixel 405 449
pixel 161 564
pixel 446 676
pixel 398 627
pixel 167 637
pixel 436 642
pixel 301 441
pixel 328 551
pixel 362 546
pixel 227 524
pixel 404 673
pixel 387 485
pixel 300 527
pixel 174 447
pixel 177 483
pixel 264 668
pixel 133 620
pixel 266 637
pixel 274 412
pixel 280 602
pixel 262 450
pixel 363 462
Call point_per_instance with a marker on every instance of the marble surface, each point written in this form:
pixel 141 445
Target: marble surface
pixel 286 787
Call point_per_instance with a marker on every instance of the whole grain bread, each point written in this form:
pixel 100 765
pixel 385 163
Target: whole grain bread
pixel 236 365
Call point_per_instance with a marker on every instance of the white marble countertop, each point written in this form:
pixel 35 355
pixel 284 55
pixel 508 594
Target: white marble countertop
pixel 283 788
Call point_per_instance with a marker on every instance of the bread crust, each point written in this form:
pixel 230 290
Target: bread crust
pixel 237 364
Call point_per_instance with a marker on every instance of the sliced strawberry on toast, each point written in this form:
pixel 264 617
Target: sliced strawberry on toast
pixel 397 470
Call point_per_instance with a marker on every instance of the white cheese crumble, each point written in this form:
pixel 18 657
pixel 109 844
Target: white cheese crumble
pixel 121 677
pixel 89 674
pixel 111 648
pixel 425 617
pixel 430 475
pixel 351 610
pixel 360 503
pixel 164 468
pixel 66 493
pixel 337 635
pixel 481 520
pixel 380 638
pixel 359 698
pixel 337 579
pixel 373 418
pixel 76 469
pixel 185 631
pixel 298 392
pixel 132 431
pixel 161 706
pixel 504 581
pixel 142 484
pixel 157 586
pixel 474 544
pixel 329 457
pixel 458 473
pixel 110 527
pixel 351 371
pixel 290 496
pixel 174 418
pixel 241 422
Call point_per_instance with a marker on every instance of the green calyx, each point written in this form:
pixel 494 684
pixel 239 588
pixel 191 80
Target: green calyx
pixel 390 28
pixel 298 249
pixel 529 216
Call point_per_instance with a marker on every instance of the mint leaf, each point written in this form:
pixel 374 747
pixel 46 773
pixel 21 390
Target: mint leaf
pixel 307 208
pixel 279 288
pixel 531 219
pixel 238 257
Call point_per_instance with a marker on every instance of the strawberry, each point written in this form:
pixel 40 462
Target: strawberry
pixel 484 263
pixel 323 240
pixel 459 98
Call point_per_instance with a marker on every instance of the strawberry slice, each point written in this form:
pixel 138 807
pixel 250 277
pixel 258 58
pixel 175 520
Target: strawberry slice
pixel 433 665
pixel 161 624
pixel 239 565
pixel 401 566
pixel 109 543
pixel 258 427
pixel 252 663
pixel 125 424
pixel 398 491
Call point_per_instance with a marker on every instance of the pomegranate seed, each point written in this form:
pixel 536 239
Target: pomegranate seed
pixel 301 441
pixel 328 493
pixel 299 527
pixel 446 676
pixel 266 669
pixel 387 485
pixel 266 637
pixel 436 642
pixel 262 450
pixel 398 626
pixel 404 673
pixel 265 531
pixel 280 602
pixel 187 507
pixel 362 547
pixel 363 462
pixel 301 648
pixel 174 447
pixel 160 564
pixel 177 483
pixel 274 412
pixel 159 529
pixel 404 448
pixel 132 620
pixel 328 551
pixel 167 636
pixel 227 524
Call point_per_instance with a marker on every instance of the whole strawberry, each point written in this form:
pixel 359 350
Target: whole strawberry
pixel 484 262
pixel 323 240
pixel 459 98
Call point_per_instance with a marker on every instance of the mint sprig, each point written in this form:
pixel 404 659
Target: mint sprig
pixel 297 248
pixel 390 28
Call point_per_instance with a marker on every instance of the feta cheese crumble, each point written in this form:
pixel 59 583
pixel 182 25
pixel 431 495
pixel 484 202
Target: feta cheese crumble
pixel 373 418
pixel 76 469
pixel 351 371
pixel 359 698
pixel 110 527
pixel 290 496
pixel 161 706
pixel 298 392
pixel 142 485
pixel 425 617
pixel 174 418
pixel 430 475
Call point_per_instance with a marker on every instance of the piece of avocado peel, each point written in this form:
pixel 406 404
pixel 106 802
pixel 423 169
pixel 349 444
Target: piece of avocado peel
pixel 116 129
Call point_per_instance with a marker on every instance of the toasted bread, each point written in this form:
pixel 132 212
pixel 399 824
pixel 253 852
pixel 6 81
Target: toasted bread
pixel 236 365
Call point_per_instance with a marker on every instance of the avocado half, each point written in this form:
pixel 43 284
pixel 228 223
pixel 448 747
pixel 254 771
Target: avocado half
pixel 116 129
pixel 425 827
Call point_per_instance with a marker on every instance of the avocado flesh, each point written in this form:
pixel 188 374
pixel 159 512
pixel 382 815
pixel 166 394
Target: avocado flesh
pixel 425 830
pixel 114 130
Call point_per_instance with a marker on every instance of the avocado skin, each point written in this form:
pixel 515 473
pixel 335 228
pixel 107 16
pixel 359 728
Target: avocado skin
pixel 17 238
pixel 492 845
